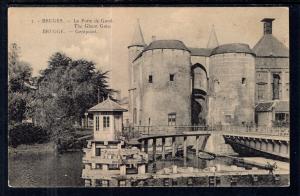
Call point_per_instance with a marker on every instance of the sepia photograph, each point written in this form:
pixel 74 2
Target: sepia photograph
pixel 148 97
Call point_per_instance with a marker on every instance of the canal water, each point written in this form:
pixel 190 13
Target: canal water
pixel 45 170
pixel 64 170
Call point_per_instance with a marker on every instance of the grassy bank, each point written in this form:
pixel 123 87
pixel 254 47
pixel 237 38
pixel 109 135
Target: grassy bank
pixel 48 147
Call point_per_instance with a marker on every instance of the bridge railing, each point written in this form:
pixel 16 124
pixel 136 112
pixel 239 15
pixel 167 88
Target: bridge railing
pixel 142 130
pixel 263 130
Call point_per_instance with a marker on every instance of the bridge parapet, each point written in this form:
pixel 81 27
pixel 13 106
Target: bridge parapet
pixel 254 130
pixel 144 130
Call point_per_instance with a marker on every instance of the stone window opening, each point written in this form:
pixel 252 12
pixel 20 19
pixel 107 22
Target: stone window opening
pixel 172 77
pixel 98 152
pixel 276 83
pixel 281 117
pixel 228 118
pixel 172 119
pixel 243 81
pixel 150 79
pixel 261 89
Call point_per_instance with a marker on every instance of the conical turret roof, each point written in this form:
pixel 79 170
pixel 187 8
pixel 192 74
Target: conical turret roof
pixel 213 40
pixel 138 38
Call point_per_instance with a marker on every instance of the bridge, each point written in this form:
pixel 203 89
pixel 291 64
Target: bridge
pixel 271 142
pixel 266 141
pixel 184 135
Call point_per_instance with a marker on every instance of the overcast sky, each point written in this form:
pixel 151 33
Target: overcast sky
pixel 108 47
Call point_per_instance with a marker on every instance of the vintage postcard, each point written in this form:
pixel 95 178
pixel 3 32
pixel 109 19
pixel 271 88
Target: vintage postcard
pixel 148 97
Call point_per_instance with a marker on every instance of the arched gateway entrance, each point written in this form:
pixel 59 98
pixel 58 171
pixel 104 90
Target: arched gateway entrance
pixel 199 94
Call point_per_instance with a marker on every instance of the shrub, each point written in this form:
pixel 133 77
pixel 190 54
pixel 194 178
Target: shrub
pixel 26 133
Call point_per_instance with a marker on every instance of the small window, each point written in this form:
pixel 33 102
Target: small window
pixel 172 77
pixel 228 118
pixel 166 182
pixel 122 183
pixel 105 183
pixel 98 152
pixel 172 119
pixel 98 182
pixel 105 121
pixel 174 182
pixel 282 117
pixel 190 182
pixel 98 166
pixel 261 90
pixel 113 166
pixel 243 80
pixel 150 80
pixel 276 86
pixel 97 123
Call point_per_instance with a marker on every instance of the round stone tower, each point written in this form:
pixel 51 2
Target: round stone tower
pixel 232 85
pixel 165 84
pixel 134 49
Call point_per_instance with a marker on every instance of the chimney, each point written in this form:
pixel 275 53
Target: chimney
pixel 267 25
pixel 153 37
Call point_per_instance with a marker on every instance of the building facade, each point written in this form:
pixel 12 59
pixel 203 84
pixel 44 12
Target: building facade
pixel 272 79
pixel 172 84
pixel 107 162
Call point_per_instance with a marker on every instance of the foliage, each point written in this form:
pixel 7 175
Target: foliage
pixel 66 89
pixel 16 107
pixel 20 91
pixel 26 133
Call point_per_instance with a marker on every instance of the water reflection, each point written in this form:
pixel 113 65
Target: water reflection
pixel 42 170
pixel 50 170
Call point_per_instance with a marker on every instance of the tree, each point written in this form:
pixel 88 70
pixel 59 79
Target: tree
pixel 66 89
pixel 19 88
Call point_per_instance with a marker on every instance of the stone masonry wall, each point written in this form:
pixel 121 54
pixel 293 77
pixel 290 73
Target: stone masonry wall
pixel 232 86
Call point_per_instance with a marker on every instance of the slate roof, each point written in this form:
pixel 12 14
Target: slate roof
pixel 213 40
pixel 269 45
pixel 107 106
pixel 232 48
pixel 264 107
pixel 138 38
pixel 166 44
pixel 278 105
pixel 200 51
